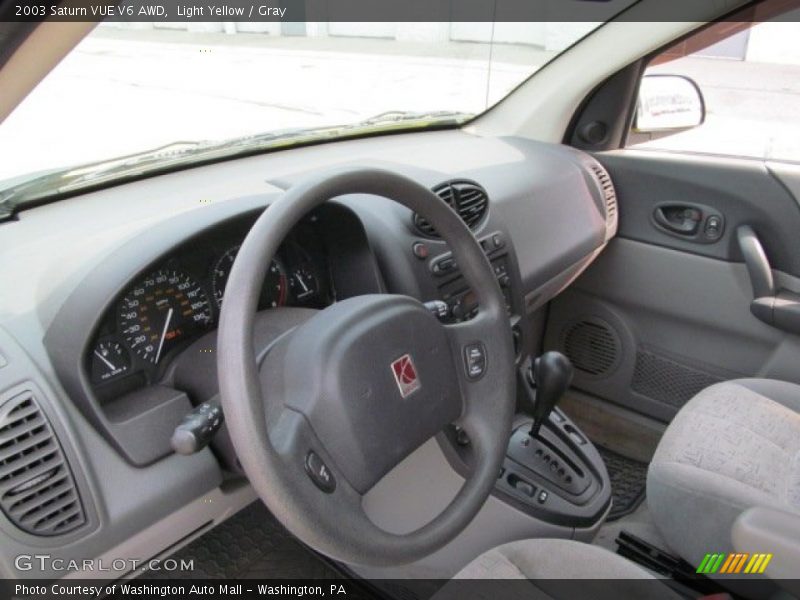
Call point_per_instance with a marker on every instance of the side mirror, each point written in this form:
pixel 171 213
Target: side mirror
pixel 668 104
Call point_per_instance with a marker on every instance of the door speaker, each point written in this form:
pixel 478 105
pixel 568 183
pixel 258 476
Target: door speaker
pixel 593 346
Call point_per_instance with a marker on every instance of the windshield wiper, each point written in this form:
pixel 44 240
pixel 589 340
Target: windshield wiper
pixel 57 182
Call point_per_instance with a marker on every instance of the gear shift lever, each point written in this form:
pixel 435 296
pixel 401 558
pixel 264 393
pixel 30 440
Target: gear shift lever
pixel 552 372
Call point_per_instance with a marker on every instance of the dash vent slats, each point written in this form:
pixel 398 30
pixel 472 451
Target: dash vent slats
pixel 609 196
pixel 37 491
pixel 467 198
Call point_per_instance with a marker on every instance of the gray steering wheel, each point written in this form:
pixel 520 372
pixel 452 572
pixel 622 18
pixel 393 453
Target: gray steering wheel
pixel 342 398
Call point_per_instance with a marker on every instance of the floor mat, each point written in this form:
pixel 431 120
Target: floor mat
pixel 628 479
pixel 250 545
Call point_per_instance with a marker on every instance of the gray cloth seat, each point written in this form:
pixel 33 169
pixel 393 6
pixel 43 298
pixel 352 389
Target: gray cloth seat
pixel 553 568
pixel 734 446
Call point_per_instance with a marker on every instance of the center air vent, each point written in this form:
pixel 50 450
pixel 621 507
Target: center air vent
pixel 37 491
pixel 467 198
pixel 609 197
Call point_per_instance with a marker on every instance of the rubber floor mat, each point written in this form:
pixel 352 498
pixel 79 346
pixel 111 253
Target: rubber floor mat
pixel 628 482
pixel 252 544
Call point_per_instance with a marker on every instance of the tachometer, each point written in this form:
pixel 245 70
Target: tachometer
pixel 275 285
pixel 161 310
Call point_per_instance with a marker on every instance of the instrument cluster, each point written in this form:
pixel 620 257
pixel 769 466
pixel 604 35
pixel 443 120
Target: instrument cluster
pixel 179 300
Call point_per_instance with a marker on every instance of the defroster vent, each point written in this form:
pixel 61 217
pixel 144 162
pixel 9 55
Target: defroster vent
pixel 467 198
pixel 37 490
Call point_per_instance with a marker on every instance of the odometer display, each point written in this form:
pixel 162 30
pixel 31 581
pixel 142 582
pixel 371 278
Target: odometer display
pixel 160 311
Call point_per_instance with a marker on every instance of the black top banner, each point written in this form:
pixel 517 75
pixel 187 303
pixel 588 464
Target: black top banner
pixel 389 10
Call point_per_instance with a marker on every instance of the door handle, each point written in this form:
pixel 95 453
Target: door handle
pixel 680 219
pixel 696 222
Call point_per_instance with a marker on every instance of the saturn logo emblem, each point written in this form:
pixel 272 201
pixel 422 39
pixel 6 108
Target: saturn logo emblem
pixel 405 374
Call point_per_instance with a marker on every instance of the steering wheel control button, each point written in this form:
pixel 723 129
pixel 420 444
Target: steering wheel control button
pixel 319 472
pixel 475 360
pixel 420 250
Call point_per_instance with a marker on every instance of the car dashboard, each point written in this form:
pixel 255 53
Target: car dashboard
pixel 109 297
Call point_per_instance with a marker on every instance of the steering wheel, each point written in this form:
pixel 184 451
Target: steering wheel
pixel 339 400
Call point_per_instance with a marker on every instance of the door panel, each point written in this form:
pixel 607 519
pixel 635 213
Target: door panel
pixel 658 317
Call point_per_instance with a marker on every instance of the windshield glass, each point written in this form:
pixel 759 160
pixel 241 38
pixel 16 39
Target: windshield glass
pixel 133 87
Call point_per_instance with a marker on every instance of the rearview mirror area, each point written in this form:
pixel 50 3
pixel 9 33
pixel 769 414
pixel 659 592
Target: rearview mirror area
pixel 668 104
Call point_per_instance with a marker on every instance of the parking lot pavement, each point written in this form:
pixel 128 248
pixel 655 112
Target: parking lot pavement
pixel 113 95
pixel 753 109
pixel 126 91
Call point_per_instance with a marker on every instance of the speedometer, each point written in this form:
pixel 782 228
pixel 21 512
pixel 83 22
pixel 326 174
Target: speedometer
pixel 161 310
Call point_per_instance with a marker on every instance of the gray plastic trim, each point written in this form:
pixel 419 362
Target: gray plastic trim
pixel 771 531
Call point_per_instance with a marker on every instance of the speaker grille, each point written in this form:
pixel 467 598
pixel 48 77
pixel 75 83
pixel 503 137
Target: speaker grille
pixel 37 491
pixel 592 346
pixel 668 381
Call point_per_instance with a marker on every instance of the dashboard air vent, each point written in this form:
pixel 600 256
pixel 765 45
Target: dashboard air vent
pixel 467 198
pixel 609 197
pixel 37 491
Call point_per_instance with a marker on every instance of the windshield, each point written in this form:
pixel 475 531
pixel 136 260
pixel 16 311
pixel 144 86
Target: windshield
pixel 133 87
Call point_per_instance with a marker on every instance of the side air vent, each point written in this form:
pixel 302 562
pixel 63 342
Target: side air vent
pixel 467 198
pixel 609 197
pixel 592 346
pixel 37 491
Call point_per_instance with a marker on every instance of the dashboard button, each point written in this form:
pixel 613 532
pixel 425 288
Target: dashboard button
pixel 319 472
pixel 443 265
pixel 524 487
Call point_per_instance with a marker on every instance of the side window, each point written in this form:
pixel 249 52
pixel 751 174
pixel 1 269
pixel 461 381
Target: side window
pixel 735 92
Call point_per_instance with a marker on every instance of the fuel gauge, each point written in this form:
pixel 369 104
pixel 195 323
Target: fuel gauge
pixel 303 283
pixel 109 360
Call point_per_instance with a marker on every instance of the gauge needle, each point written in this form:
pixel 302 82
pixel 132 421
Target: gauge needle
pixel 105 360
pixel 164 334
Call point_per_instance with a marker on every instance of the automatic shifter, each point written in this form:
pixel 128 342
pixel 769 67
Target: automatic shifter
pixel 552 373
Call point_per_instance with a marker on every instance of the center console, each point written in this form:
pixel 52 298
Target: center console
pixel 552 471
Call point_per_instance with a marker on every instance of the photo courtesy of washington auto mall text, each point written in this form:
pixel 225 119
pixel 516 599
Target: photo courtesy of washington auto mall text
pixel 204 590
